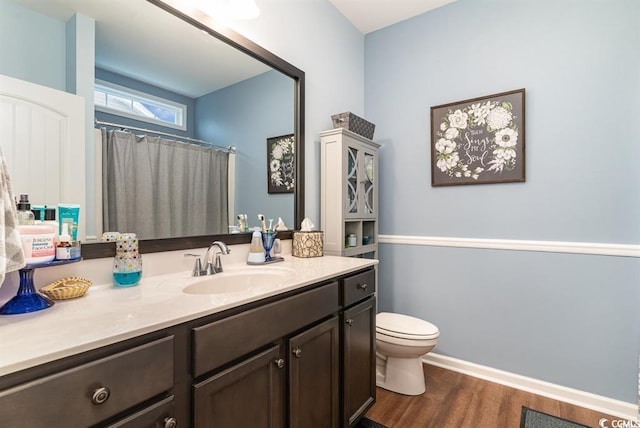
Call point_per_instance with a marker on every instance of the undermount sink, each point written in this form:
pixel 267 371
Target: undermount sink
pixel 240 281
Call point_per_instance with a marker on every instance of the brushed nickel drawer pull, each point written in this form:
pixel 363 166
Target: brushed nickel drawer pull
pixel 297 352
pixel 279 363
pixel 349 321
pixel 100 395
pixel 170 423
pixel 362 287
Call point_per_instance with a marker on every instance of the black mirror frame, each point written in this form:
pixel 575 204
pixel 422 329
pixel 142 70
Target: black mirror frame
pixel 230 37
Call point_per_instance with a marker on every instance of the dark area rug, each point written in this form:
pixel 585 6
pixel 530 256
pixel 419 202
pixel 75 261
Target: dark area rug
pixel 533 419
pixel 368 423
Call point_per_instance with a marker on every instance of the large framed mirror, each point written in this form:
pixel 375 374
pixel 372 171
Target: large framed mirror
pixel 170 45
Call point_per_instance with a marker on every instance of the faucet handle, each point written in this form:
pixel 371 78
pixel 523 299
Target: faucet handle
pixel 197 268
pixel 218 266
pixel 210 269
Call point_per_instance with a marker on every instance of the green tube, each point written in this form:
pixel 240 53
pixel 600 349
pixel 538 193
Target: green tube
pixel 69 213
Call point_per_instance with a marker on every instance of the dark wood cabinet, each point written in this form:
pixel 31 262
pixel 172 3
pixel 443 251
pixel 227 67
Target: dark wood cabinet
pixel 314 371
pixel 359 360
pixel 248 394
pixel 305 359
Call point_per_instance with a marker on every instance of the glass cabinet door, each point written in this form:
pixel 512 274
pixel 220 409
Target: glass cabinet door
pixel 352 180
pixel 360 176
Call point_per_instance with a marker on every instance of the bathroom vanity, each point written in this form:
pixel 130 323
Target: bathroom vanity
pixel 299 353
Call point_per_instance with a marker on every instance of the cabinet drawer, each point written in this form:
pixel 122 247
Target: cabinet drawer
pixel 358 287
pixel 222 341
pixel 92 392
pixel 157 415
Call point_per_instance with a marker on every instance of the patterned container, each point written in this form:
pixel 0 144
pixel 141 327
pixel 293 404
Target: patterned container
pixel 354 123
pixel 127 264
pixel 307 244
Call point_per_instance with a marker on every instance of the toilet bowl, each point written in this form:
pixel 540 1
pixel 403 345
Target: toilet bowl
pixel 401 341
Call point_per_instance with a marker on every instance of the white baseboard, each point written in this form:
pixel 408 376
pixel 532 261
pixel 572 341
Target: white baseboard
pixel 576 397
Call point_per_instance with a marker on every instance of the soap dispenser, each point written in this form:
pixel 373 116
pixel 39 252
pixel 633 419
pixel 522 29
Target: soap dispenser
pixel 256 251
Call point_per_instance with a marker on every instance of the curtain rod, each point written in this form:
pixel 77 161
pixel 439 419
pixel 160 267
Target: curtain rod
pixel 231 149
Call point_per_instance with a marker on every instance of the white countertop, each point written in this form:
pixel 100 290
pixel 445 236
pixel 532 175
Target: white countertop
pixel 106 314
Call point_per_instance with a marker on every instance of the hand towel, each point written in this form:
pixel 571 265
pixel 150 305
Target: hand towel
pixel 11 254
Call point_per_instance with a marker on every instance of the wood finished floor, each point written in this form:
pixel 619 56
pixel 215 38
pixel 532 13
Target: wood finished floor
pixel 455 400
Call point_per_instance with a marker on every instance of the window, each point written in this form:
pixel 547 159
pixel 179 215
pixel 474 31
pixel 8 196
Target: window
pixel 115 99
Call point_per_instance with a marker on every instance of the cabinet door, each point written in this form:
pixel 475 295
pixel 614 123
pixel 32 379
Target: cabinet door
pixel 313 377
pixel 361 164
pixel 248 394
pixel 359 356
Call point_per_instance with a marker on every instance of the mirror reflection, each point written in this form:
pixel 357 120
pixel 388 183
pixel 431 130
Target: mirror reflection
pixel 171 100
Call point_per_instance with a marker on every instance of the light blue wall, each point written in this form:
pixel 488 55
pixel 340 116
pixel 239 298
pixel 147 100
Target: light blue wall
pixel 315 37
pixel 34 56
pixel 265 102
pixel 569 319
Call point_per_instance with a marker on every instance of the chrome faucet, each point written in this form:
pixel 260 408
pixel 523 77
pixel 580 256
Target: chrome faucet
pixel 211 267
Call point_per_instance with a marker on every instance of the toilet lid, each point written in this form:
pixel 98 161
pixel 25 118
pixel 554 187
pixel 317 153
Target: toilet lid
pixel 405 326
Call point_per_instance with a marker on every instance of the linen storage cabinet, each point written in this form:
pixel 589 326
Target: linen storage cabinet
pixel 349 193
pixel 358 345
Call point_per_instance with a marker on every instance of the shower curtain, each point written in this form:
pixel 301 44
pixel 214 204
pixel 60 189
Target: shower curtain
pixel 161 188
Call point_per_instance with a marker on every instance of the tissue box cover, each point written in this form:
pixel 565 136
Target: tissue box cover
pixel 307 244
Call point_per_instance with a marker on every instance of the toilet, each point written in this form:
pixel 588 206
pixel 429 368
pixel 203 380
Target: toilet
pixel 401 341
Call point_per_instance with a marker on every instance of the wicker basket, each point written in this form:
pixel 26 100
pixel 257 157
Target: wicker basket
pixel 67 288
pixel 354 123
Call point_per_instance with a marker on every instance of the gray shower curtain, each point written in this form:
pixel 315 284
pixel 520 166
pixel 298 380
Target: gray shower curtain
pixel 160 188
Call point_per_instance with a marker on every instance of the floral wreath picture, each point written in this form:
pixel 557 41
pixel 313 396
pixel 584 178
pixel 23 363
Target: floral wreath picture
pixel 280 164
pixel 480 140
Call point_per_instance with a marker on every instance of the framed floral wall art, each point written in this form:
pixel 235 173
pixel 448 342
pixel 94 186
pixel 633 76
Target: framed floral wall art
pixel 478 141
pixel 280 164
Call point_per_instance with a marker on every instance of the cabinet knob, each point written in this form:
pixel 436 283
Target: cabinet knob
pixel 100 395
pixel 279 363
pixel 362 287
pixel 170 423
pixel 349 321
pixel 297 352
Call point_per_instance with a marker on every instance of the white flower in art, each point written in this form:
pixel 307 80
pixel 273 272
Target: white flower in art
pixel 276 179
pixel 475 176
pixel 497 165
pixel 445 146
pixel 448 162
pixel 274 165
pixel 458 174
pixel 479 112
pixel 504 153
pixel 467 173
pixel 478 170
pixel 451 133
pixel 499 118
pixel 443 126
pixel 507 137
pixel 277 152
pixel 458 119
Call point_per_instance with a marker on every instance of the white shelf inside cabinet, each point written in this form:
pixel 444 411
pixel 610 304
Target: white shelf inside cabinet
pixel 349 192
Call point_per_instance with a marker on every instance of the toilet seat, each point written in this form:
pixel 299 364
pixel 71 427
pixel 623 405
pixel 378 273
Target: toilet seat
pixel 405 327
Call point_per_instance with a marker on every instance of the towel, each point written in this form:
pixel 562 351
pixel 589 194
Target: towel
pixel 11 254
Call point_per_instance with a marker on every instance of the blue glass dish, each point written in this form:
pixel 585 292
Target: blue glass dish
pixel 28 299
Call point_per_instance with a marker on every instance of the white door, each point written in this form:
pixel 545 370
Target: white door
pixel 43 141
